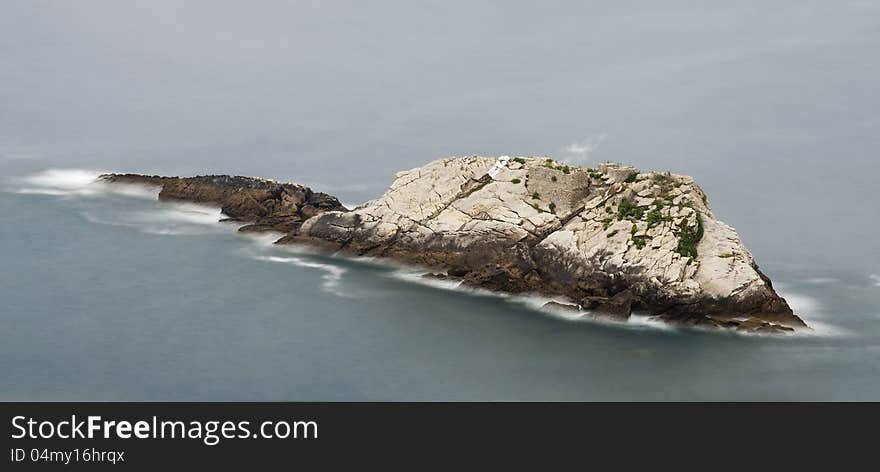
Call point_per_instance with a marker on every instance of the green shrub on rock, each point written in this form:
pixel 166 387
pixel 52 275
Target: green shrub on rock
pixel 689 236
pixel 628 209
pixel 654 218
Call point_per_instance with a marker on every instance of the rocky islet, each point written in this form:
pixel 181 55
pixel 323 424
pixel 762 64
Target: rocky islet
pixel 610 239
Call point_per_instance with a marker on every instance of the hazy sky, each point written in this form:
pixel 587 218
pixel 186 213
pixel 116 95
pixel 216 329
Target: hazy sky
pixel 772 106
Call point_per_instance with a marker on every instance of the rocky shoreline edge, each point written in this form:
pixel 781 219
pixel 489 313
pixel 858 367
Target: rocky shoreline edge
pixel 612 240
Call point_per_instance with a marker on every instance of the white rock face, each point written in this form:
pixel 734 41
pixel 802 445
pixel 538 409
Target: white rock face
pixel 574 223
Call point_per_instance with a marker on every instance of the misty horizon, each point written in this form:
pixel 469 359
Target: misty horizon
pixel 771 106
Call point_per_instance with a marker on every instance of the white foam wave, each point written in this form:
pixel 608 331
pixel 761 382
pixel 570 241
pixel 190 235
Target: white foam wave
pixel 810 310
pixel 803 305
pixel 821 329
pixel 876 279
pixel 532 301
pixel 63 179
pixel 39 191
pixel 131 190
pixel 263 239
pixel 642 321
pixel 635 321
pixel 183 213
pixel 75 183
pixel 420 278
pixel 332 274
pixel 167 219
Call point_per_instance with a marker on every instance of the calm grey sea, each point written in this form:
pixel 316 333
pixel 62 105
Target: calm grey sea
pixel 109 296
pixel 771 105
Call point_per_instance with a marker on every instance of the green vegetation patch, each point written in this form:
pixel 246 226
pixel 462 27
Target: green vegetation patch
pixel 519 159
pixel 654 217
pixel 628 209
pixel 689 236
pixel 551 164
pixel 640 241
pixel 515 181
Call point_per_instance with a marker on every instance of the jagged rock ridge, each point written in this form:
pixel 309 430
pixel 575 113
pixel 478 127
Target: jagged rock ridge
pixel 267 205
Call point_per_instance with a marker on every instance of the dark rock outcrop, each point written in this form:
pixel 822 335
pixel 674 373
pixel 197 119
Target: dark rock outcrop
pixel 265 204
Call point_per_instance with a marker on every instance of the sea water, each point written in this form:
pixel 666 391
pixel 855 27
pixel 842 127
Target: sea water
pixel 108 294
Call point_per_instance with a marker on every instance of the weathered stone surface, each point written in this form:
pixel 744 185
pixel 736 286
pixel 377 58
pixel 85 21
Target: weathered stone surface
pixel 610 239
pixel 583 233
pixel 618 307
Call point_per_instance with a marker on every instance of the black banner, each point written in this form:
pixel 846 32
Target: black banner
pixel 88 435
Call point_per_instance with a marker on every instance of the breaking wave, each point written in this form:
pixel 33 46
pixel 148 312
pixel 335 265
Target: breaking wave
pixel 810 310
pixel 805 306
pixel 75 183
pixel 161 218
pixel 533 302
pixel 332 274
pixel 165 219
pixel 421 277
